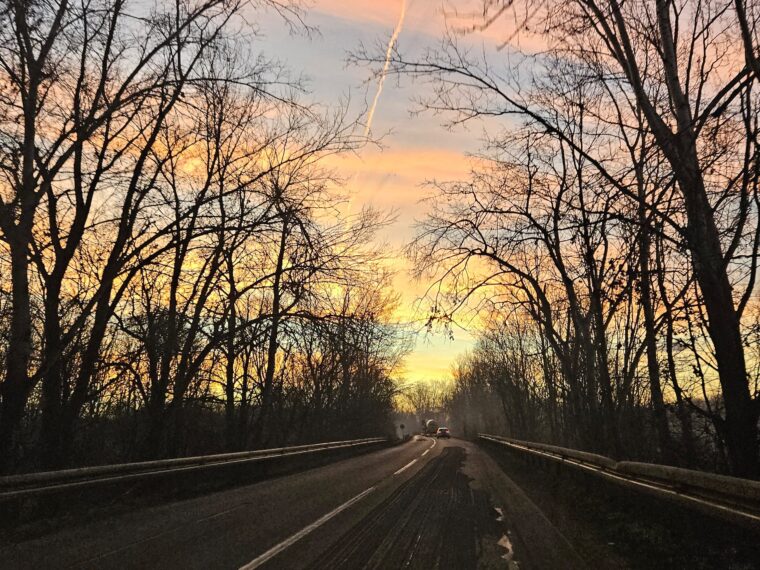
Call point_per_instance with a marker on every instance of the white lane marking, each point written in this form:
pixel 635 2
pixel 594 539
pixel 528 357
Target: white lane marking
pixel 424 453
pixel 275 550
pixel 405 467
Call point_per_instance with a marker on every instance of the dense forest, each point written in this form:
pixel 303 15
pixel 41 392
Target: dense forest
pixel 180 272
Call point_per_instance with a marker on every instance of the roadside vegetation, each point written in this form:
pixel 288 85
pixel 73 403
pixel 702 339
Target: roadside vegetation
pixel 180 274
pixel 606 243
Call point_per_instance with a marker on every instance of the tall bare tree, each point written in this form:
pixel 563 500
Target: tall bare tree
pixel 672 71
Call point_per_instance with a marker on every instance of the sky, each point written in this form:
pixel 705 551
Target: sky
pixel 415 149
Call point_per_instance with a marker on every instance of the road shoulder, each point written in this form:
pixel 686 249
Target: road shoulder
pixel 537 542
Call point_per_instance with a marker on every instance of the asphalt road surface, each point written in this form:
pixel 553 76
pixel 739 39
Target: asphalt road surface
pixel 426 504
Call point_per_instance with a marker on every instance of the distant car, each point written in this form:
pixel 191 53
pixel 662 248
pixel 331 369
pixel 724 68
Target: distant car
pixel 443 432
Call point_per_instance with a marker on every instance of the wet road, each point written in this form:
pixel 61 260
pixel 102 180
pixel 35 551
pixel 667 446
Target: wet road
pixel 425 504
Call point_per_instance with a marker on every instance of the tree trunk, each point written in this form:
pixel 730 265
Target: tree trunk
pixel 684 416
pixel 17 385
pixel 653 365
pixel 724 326
pixel 18 234
pixel 229 386
pixel 52 382
pixel 709 265
pixel 260 436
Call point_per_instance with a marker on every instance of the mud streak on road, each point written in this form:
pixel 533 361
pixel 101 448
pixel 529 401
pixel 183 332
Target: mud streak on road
pixel 434 520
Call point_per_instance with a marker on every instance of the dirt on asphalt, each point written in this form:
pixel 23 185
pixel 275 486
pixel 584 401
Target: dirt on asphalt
pixel 434 520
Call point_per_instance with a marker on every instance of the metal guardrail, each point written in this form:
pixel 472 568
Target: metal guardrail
pixel 731 498
pixel 15 487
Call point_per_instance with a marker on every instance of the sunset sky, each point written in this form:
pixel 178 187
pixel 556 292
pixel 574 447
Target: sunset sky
pixel 415 149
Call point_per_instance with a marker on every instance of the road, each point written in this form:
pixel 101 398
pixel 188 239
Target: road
pixel 424 504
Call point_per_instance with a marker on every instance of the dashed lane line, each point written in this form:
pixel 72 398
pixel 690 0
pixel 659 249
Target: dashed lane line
pixel 275 550
pixel 407 466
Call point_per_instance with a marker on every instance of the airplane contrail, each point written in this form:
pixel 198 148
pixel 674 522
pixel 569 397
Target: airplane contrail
pixel 388 52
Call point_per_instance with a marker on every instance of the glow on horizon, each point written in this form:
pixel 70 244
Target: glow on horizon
pixel 390 177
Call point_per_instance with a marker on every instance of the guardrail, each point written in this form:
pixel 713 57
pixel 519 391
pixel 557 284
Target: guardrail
pixel 731 498
pixel 16 487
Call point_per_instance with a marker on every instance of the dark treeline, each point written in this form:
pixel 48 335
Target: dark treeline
pixel 608 236
pixel 179 273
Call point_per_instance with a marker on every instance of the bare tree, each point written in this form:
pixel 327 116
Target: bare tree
pixel 679 98
pixel 169 230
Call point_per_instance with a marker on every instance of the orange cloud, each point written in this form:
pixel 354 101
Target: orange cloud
pixel 395 177
pixel 433 19
pixel 361 10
